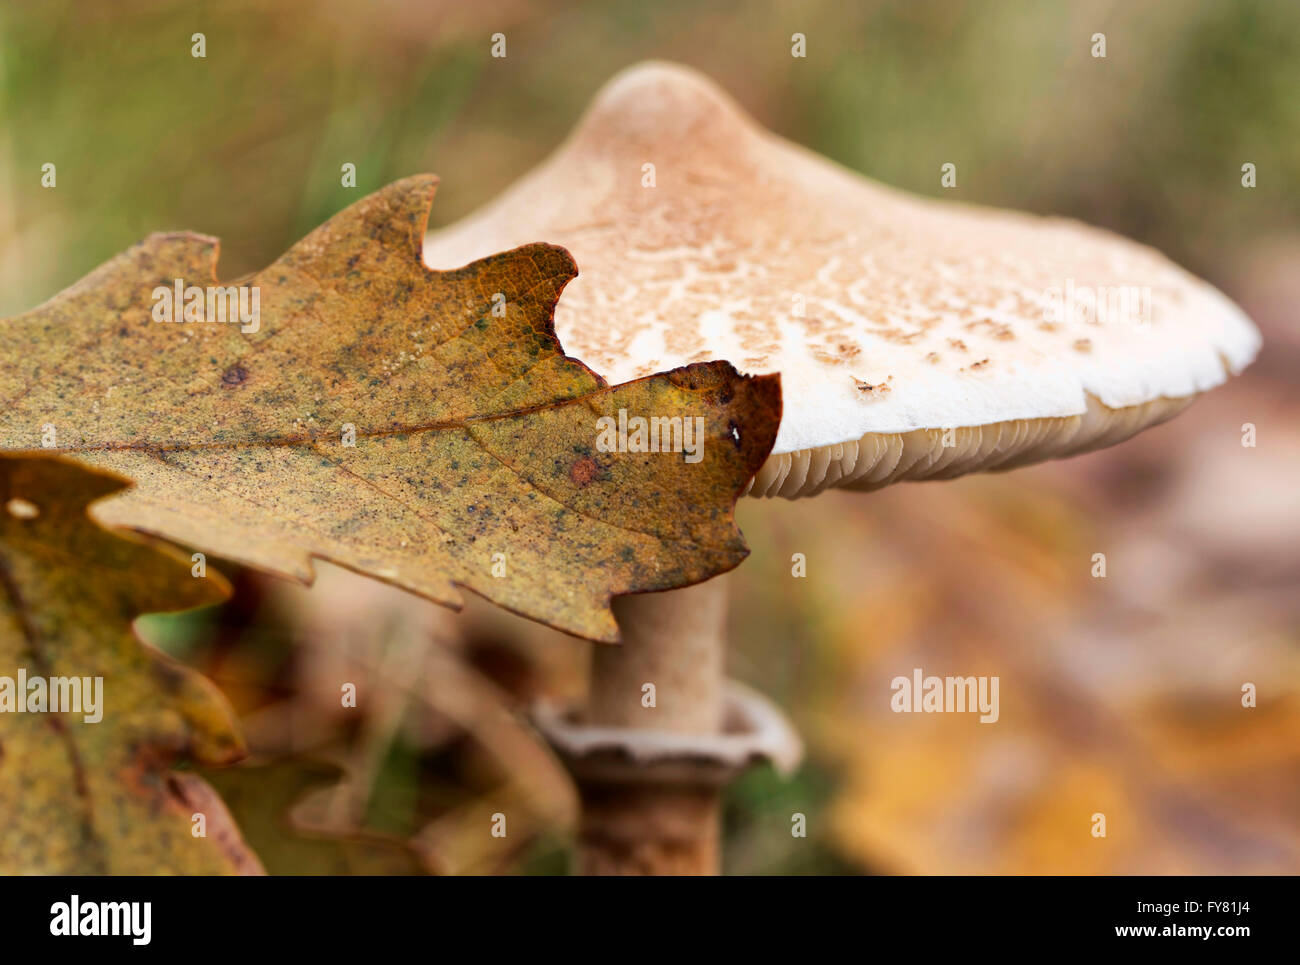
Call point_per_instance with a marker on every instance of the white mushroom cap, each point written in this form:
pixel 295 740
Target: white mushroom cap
pixel 891 318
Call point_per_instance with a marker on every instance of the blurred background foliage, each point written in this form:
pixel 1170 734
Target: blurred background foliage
pixel 1119 695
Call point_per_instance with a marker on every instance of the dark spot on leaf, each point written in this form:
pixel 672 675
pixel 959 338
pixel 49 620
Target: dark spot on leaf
pixel 583 471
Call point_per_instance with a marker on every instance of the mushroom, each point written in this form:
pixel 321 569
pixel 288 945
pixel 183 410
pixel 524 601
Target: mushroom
pixel 915 339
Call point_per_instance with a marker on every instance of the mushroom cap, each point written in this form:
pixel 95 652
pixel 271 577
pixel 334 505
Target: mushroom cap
pixel 915 338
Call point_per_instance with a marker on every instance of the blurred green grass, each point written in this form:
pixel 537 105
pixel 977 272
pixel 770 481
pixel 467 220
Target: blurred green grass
pixel 247 143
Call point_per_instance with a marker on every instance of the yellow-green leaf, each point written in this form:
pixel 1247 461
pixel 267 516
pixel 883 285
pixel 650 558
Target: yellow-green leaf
pixel 262 797
pixel 91 792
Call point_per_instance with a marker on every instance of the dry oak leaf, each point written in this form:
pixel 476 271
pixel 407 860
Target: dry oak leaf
pixel 80 796
pixel 476 460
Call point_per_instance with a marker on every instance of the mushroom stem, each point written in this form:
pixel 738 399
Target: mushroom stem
pixel 675 641
pixel 649 830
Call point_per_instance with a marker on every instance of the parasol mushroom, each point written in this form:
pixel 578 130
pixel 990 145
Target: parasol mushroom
pixel 915 339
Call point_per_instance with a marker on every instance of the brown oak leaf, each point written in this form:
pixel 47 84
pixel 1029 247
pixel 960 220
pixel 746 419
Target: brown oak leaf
pixel 421 427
